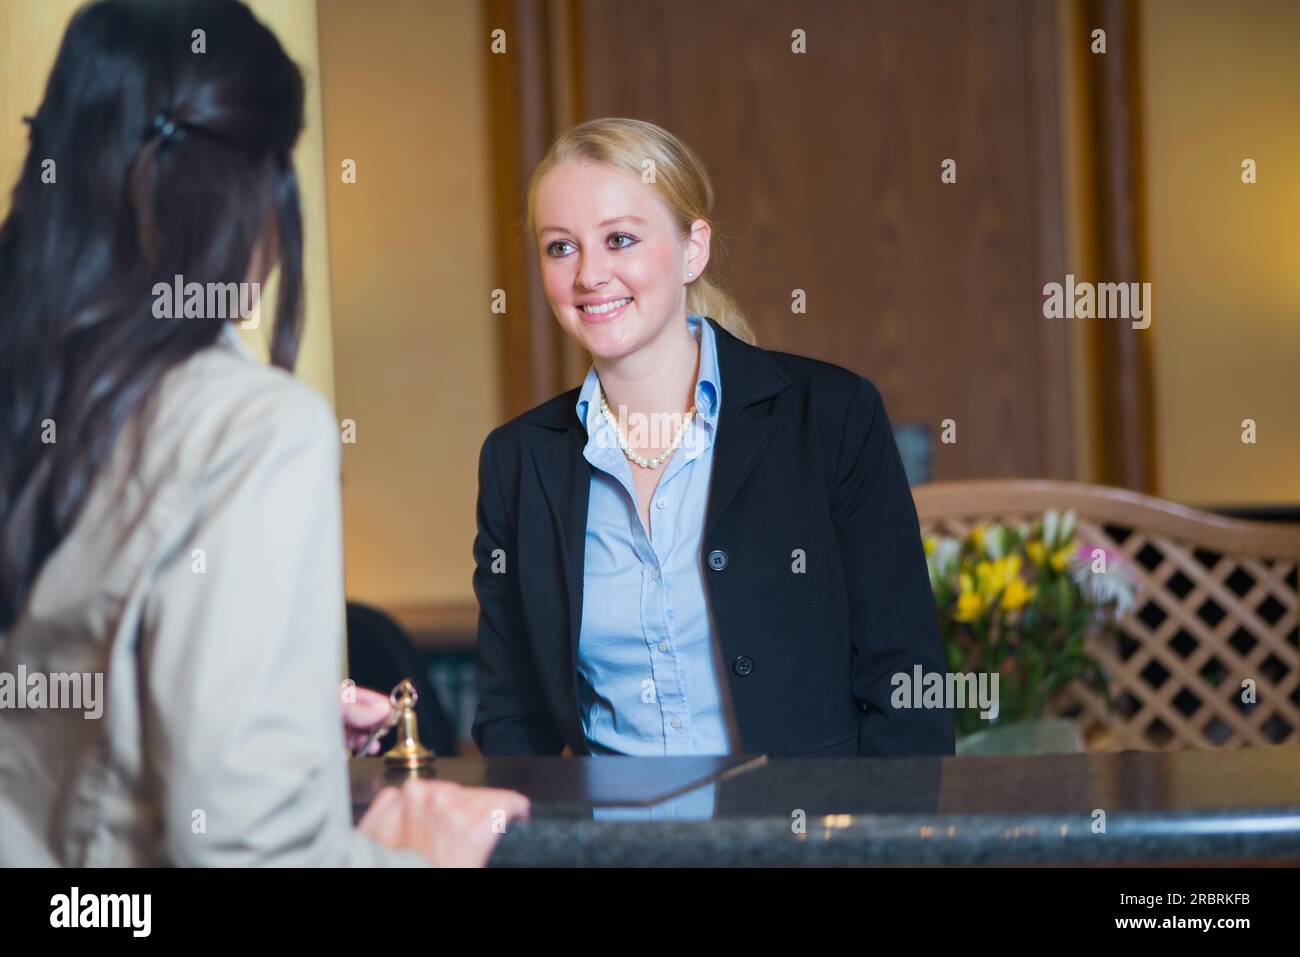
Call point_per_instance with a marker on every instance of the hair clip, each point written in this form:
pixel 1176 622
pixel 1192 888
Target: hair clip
pixel 167 128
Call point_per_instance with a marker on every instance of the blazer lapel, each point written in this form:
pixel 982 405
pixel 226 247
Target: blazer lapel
pixel 565 476
pixel 749 376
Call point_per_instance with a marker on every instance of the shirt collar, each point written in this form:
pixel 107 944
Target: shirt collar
pixel 231 335
pixel 708 384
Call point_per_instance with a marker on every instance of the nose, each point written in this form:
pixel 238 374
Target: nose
pixel 594 269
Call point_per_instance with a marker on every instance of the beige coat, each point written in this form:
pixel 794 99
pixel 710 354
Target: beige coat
pixel 206 586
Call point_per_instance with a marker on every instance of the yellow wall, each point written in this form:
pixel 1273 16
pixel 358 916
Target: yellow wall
pixel 1222 83
pixel 294 22
pixel 30 31
pixel 410 245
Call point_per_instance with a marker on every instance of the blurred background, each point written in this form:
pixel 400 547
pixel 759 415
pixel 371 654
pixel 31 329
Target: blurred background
pixel 1117 166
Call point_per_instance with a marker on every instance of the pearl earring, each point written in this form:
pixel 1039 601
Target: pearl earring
pixel 690 274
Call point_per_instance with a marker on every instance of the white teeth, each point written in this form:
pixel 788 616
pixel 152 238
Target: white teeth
pixel 605 307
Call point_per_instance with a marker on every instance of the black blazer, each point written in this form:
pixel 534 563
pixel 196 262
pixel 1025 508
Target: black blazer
pixel 805 462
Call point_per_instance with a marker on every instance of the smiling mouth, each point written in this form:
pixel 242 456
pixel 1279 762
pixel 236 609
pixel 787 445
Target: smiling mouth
pixel 605 307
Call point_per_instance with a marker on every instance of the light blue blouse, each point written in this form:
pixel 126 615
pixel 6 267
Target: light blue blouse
pixel 650 681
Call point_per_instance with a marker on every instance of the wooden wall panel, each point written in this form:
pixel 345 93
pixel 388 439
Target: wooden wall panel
pixel 827 171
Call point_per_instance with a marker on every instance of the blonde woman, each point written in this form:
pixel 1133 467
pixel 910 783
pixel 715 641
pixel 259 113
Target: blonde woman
pixel 707 548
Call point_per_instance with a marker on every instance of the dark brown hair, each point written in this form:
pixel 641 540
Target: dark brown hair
pixel 134 202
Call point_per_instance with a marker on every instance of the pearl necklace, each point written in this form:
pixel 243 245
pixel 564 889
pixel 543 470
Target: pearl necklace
pixel 641 460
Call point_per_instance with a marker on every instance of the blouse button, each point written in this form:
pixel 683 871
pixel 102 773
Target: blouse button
pixel 717 559
pixel 661 504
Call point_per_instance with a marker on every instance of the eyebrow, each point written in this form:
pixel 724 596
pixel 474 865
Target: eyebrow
pixel 608 222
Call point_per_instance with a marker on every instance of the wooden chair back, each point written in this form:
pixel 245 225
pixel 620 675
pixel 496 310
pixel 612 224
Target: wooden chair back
pixel 1215 609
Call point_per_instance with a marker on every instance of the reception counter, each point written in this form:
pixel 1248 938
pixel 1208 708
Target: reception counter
pixel 1209 807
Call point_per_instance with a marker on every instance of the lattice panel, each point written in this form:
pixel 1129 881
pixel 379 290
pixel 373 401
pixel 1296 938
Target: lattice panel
pixel 1202 623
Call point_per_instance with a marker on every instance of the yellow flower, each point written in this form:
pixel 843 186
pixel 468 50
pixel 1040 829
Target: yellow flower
pixel 969 606
pixel 929 543
pixel 1061 557
pixel 992 577
pixel 1035 550
pixel 1017 595
pixel 977 539
pixel 969 603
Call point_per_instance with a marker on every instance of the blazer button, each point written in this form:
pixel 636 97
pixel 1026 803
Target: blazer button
pixel 743 665
pixel 717 559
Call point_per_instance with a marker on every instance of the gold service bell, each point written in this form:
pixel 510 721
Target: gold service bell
pixel 408 752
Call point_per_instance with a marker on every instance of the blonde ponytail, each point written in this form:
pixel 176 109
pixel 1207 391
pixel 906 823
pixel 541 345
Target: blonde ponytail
pixel 705 299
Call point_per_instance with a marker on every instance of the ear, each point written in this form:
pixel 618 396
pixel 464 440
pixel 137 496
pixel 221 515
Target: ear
pixel 697 249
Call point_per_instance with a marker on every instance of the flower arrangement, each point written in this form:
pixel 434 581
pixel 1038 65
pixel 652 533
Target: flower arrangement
pixel 1019 601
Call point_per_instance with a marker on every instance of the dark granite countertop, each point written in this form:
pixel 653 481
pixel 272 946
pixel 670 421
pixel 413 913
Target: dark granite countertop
pixel 1127 808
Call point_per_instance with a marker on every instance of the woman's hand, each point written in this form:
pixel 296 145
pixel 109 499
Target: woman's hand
pixel 451 825
pixel 363 710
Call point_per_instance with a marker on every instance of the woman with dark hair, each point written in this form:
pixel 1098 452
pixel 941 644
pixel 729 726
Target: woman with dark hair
pixel 170 541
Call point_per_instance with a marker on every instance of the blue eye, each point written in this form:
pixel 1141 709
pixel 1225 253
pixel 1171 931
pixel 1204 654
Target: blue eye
pixel 631 240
